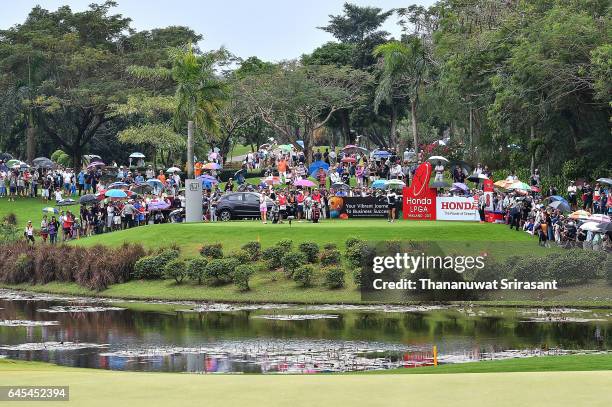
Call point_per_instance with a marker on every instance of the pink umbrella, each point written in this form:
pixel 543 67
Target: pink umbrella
pixel 95 164
pixel 211 166
pixel 271 180
pixel 348 160
pixel 304 183
pixel 598 217
pixel 158 205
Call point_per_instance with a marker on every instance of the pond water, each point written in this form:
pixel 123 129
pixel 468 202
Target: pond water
pixel 209 338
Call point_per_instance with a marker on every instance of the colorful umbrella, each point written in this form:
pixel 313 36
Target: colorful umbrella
pixel 313 169
pixel 11 163
pixel 379 183
pixel 115 193
pixel 158 205
pixel 582 215
pixel 285 147
pixel 598 217
pixel 395 183
pixel 95 164
pixel 304 183
pixel 211 166
pixel 51 210
pixel 560 205
pixel 520 186
pixel 271 180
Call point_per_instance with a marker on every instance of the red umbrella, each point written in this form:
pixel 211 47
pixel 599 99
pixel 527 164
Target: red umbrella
pixel 535 189
pixel 349 160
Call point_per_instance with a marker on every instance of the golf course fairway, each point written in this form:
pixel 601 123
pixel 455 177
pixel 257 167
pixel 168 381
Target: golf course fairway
pixel 89 387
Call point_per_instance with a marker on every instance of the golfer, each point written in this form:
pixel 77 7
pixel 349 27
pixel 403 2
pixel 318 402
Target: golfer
pixel 391 200
pixel 263 208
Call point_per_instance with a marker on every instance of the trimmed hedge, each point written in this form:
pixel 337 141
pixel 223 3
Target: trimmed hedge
pixel 176 269
pixel 334 277
pixel 304 275
pixel 220 271
pixel 196 269
pixel 273 256
pixel 292 261
pixel 241 276
pixel 212 251
pixel 330 257
pixel 311 250
pixel 253 248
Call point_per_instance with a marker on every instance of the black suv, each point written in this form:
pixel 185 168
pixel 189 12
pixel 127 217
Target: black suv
pixel 240 205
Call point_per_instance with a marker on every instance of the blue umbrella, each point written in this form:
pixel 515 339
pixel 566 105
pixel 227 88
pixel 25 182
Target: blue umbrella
pixel 381 154
pixel 554 198
pixel 54 211
pixel 115 193
pixel 155 183
pixel 314 167
pixel 379 184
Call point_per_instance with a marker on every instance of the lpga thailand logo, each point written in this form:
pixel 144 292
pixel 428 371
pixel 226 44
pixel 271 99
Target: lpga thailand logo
pixel 419 198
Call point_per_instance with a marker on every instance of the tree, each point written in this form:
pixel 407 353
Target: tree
pixel 403 67
pixel 298 100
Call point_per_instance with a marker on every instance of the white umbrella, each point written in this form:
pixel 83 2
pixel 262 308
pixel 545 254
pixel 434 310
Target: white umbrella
pixel 434 159
pixel 137 155
pixel 173 169
pixel 590 226
pixel 605 181
pixel 598 217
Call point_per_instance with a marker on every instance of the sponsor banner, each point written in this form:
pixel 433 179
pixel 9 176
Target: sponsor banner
pixel 488 194
pixel 358 207
pixel 419 200
pixel 457 208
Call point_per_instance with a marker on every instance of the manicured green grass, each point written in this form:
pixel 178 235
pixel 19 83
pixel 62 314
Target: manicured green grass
pixel 30 209
pixel 102 388
pixel 532 364
pixel 233 235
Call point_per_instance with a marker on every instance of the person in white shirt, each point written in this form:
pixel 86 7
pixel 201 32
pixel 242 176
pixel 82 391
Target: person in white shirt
pixel 58 195
pixel 391 201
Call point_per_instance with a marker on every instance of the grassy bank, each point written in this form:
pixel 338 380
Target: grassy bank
pixel 265 288
pixel 234 234
pixel 90 387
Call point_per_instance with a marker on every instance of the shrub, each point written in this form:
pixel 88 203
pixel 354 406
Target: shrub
pixel 196 269
pixel 330 257
pixel 334 277
pixel 531 269
pixel 330 246
pixel 273 256
pixel 359 254
pixel 303 275
pixel 357 276
pixel 212 251
pixel 149 268
pixel 176 269
pixel 152 267
pixel 220 271
pixel 575 266
pixel 607 268
pixel 241 276
pixel 285 244
pixel 241 255
pixel 253 248
pixel 311 250
pixel 352 241
pixel 292 261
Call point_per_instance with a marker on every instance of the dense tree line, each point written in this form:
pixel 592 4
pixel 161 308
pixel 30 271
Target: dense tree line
pixel 510 83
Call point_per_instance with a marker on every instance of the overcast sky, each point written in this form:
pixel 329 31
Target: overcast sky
pixel 271 29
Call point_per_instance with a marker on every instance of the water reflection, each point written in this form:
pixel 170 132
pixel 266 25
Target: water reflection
pixel 163 338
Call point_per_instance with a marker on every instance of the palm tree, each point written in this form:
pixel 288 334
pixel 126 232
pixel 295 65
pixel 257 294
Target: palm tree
pixel 199 94
pixel 402 65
